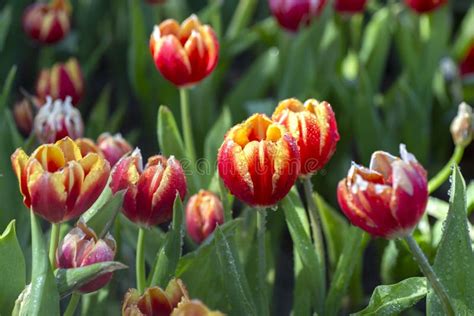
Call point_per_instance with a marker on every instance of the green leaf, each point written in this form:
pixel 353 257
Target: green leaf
pixel 298 226
pixel 5 22
pixel 102 213
pixel 242 16
pixel 455 259
pixel 393 299
pixel 171 143
pixel 465 35
pixel 234 281
pixel 99 116
pixel 169 254
pixel 12 265
pixel 68 280
pixel 350 256
pixel 470 197
pixel 7 87
pixel 44 296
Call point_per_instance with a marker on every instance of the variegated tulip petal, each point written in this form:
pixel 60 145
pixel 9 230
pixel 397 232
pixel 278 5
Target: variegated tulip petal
pixel 154 302
pixel 19 162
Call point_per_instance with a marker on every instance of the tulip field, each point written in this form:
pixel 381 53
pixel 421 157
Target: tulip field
pixel 238 157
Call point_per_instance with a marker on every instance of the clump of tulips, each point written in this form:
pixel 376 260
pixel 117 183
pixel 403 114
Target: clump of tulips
pixel 161 237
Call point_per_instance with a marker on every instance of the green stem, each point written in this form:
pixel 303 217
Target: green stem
pixel 53 244
pixel 187 126
pixel 315 224
pixel 140 260
pixel 444 173
pixel 430 274
pixel 73 302
pixel 262 265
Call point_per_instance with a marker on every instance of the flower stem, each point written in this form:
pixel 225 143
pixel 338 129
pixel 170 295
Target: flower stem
pixel 444 173
pixel 53 244
pixel 315 223
pixel 187 125
pixel 262 265
pixel 140 260
pixel 73 302
pixel 430 274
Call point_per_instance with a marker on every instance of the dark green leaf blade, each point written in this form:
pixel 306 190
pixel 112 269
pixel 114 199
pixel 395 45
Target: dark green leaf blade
pixel 12 265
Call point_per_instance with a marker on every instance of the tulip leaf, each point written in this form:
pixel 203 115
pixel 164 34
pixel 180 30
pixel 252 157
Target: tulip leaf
pixel 44 297
pixel 99 115
pixel 393 299
pixel 102 213
pixel 170 252
pixel 68 280
pixel 233 276
pixel 298 226
pixel 171 143
pixel 454 259
pixel 350 256
pixel 465 35
pixel 7 87
pixel 12 265
pixel 5 22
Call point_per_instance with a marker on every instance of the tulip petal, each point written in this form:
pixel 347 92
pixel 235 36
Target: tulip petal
pixel 171 60
pixel 176 291
pixel 50 157
pixel 19 161
pixel 70 149
pixel 154 302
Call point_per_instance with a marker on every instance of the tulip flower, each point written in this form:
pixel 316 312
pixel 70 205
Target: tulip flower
pixel 81 247
pixel 87 146
pixel 313 125
pixel 56 120
pixel 462 127
pixel 23 115
pixel 425 6
pixel 154 300
pixel 57 182
pixel 184 54
pixel 467 63
pixel 113 147
pixel 47 23
pixel 388 198
pixel 204 212
pixel 151 191
pixel 60 81
pixel 195 308
pixel 259 161
pixel 291 14
pixel 349 6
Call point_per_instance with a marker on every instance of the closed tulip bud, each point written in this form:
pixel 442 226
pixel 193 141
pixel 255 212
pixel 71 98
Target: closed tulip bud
pixel 184 54
pixel 349 6
pixel 23 112
pixel 56 120
pixel 81 247
pixel 47 23
pixel 154 301
pixel 388 198
pixel 292 14
pixel 151 191
pixel 204 212
pixel 466 67
pixel 194 308
pixel 425 6
pixel 259 161
pixel 313 125
pixel 60 81
pixel 113 147
pixel 57 182
pixel 462 127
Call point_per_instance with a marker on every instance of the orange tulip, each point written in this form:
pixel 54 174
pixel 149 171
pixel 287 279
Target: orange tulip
pixel 57 182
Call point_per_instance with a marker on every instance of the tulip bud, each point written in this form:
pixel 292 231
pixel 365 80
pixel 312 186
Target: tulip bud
pixel 388 198
pixel 291 14
pixel 462 127
pixel 194 308
pixel 204 212
pixel 184 54
pixel 259 161
pixel 425 6
pixel 467 63
pixel 23 114
pixel 113 147
pixel 61 81
pixel 349 6
pixel 154 301
pixel 150 191
pixel 314 127
pixel 57 182
pixel 56 120
pixel 47 23
pixel 81 247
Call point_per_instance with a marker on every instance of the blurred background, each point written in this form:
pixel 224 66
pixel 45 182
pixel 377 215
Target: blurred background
pixel 391 75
